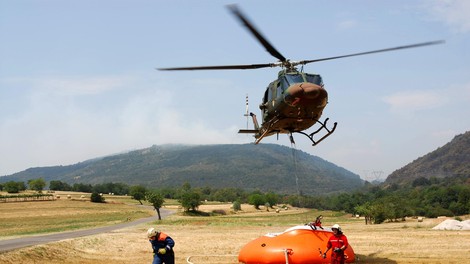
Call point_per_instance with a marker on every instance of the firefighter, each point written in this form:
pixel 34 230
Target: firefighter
pixel 162 246
pixel 318 222
pixel 338 242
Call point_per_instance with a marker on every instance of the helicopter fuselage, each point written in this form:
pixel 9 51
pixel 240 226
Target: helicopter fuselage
pixel 292 103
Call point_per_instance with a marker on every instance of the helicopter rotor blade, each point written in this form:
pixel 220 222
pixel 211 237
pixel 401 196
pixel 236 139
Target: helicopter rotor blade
pixel 226 67
pixel 270 48
pixel 375 51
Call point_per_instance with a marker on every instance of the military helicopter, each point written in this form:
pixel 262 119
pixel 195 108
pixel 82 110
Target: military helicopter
pixel 294 101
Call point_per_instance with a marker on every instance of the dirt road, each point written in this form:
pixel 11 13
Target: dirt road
pixel 11 244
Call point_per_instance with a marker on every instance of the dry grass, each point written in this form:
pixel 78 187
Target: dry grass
pixel 23 218
pixel 219 239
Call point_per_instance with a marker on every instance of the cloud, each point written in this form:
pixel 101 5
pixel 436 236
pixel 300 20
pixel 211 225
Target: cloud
pixel 64 120
pixel 347 24
pixel 78 85
pixel 455 13
pixel 412 101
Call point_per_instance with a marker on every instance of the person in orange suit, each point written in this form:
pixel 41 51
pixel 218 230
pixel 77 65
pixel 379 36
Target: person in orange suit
pixel 338 242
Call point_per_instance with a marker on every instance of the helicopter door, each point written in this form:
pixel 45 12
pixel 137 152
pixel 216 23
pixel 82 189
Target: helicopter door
pixel 269 100
pixel 264 104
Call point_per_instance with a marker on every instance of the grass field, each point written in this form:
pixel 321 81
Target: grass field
pixel 219 239
pixel 65 214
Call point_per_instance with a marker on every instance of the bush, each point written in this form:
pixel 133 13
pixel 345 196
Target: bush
pixel 96 198
pixel 190 201
pixel 236 206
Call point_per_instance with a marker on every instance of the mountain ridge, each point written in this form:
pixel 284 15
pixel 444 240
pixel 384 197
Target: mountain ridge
pixel 265 167
pixel 450 160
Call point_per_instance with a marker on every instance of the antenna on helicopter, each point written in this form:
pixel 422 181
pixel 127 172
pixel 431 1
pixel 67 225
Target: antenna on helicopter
pixel 247 113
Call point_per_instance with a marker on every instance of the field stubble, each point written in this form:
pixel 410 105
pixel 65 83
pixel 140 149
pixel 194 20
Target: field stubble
pixel 219 239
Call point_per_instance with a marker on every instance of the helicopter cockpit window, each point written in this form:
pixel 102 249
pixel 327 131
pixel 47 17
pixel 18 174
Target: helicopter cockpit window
pixel 294 78
pixel 284 84
pixel 314 78
pixel 279 90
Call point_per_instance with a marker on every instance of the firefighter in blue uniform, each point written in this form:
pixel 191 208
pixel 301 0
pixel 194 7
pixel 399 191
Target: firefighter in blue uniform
pixel 162 246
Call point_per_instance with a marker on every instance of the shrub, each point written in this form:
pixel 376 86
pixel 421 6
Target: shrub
pixel 96 198
pixel 237 206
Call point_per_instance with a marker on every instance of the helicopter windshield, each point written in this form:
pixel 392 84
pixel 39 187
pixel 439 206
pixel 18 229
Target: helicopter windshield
pixel 314 78
pixel 294 78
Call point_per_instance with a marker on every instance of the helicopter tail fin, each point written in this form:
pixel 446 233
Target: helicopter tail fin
pixel 255 123
pixel 255 131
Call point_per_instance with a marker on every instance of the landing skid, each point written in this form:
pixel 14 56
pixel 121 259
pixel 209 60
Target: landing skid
pixel 323 126
pixel 260 133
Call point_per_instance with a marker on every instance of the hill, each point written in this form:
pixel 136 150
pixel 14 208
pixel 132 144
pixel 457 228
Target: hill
pixel 450 160
pixel 267 167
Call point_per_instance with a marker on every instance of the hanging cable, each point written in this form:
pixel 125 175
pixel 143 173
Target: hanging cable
pixel 294 159
pixel 296 170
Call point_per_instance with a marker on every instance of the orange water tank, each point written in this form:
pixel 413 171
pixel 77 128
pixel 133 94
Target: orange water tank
pixel 296 245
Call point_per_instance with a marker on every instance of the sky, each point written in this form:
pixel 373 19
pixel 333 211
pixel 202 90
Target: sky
pixel 78 78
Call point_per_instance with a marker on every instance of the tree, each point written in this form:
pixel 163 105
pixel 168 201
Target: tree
pixel 190 200
pixel 59 186
pixel 366 211
pixel 81 187
pixel 379 213
pixel 138 192
pixel 21 186
pixel 256 200
pixel 114 188
pixel 14 187
pixel 271 198
pixel 37 184
pixel 156 200
pixel 225 195
pixel 186 187
pixel 421 181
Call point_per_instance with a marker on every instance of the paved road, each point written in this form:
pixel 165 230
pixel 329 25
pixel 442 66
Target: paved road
pixel 11 244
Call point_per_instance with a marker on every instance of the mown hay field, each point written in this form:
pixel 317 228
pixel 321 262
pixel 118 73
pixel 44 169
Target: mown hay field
pixel 70 212
pixel 218 239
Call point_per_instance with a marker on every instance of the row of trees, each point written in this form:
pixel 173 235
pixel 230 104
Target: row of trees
pixel 116 188
pixel 39 185
pixel 16 187
pixel 190 198
pixel 424 197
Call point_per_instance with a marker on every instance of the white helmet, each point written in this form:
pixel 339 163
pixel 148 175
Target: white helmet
pixel 336 226
pixel 152 232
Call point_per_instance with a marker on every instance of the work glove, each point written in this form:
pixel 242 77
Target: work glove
pixel 162 251
pixel 324 255
pixel 337 250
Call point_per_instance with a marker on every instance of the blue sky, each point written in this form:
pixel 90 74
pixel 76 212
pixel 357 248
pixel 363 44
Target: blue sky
pixel 78 78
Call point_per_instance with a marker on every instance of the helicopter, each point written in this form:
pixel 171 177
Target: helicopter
pixel 295 100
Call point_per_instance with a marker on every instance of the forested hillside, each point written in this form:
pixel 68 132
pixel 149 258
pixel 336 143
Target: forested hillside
pixel 267 167
pixel 450 160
